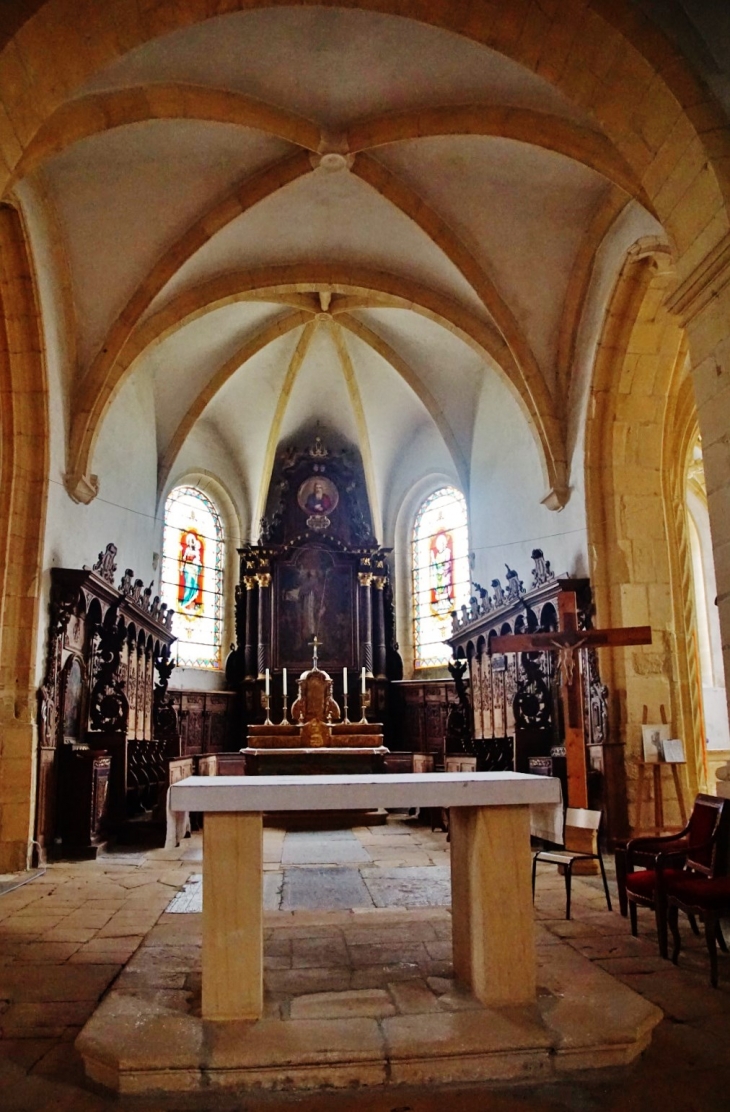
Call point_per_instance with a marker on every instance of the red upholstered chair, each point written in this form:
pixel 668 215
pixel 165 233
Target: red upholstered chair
pixel 696 849
pixel 706 897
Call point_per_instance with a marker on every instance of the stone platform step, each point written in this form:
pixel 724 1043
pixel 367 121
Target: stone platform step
pixel 354 999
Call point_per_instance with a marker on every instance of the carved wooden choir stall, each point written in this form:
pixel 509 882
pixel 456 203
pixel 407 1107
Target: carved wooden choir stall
pixel 103 754
pixel 316 577
pixel 537 701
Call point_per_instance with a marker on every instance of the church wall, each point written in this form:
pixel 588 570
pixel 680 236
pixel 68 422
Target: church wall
pixel 507 519
pixel 124 512
pixel 633 224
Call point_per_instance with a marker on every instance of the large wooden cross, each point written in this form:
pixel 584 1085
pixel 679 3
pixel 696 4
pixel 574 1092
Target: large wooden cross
pixel 566 642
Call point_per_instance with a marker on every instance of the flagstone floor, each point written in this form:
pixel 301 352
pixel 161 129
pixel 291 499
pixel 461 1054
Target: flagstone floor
pixel 66 935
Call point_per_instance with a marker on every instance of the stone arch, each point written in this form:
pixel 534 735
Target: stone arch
pixel 635 550
pixel 367 287
pixel 24 448
pixel 607 59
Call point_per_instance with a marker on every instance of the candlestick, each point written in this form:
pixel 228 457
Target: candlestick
pixel 345 719
pixel 267 720
pixel 364 703
pixel 344 681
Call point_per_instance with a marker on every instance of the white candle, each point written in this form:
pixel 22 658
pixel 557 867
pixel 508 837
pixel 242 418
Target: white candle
pixel 362 681
pixel 266 681
pixel 283 677
pixel 344 681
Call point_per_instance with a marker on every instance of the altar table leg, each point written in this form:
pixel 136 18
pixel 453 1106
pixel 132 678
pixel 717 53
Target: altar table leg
pixel 233 945
pixel 491 903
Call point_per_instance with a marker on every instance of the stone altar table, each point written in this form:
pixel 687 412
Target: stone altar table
pixel 493 925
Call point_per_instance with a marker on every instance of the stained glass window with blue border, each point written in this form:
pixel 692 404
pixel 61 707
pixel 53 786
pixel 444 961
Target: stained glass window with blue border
pixel 192 576
pixel 441 578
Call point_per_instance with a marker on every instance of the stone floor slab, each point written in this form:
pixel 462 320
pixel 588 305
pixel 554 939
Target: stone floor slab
pixel 316 888
pixel 324 851
pixel 419 886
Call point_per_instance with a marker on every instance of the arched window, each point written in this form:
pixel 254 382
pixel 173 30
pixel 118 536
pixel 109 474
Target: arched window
pixel 441 579
pixel 192 576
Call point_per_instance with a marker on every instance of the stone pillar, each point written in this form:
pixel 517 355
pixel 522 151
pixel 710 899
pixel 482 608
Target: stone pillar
pixel 365 580
pixel 25 444
pixel 702 301
pixel 264 646
pixel 378 627
pixel 250 650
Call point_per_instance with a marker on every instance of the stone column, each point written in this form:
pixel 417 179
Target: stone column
pixel 702 301
pixel 378 627
pixel 264 646
pixel 24 432
pixel 250 649
pixel 365 580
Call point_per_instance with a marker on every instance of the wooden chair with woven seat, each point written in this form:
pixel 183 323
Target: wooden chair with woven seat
pixel 669 856
pixel 578 822
pixel 703 896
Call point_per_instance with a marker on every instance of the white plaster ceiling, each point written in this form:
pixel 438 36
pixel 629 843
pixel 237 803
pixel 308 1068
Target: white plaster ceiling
pixel 335 66
pixel 326 217
pixel 185 361
pixel 125 197
pixel 520 209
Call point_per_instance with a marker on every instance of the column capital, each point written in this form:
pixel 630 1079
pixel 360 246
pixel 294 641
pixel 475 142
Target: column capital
pixel 264 579
pixel 364 578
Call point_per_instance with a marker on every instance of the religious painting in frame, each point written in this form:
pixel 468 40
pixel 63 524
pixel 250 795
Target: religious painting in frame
pixel 73 692
pixel 73 637
pixel 317 497
pixel 653 737
pixel 315 593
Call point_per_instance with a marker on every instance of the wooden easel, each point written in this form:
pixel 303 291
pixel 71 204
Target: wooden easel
pixel 656 769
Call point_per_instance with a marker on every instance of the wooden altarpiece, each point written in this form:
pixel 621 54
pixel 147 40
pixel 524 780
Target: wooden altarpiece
pixel 316 571
pixel 104 729
pixel 518 716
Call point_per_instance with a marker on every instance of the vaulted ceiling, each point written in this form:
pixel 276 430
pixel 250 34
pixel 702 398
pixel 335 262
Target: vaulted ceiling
pixel 298 215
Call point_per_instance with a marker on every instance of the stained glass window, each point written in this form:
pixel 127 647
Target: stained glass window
pixel 441 580
pixel 192 576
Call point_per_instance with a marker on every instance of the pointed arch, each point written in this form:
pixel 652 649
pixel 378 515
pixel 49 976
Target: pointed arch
pixel 268 283
pixel 635 550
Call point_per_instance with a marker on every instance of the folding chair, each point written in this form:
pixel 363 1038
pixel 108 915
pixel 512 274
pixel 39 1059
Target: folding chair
pixel 577 821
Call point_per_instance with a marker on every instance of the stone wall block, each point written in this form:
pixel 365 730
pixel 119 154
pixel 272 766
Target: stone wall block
pixel 711 236
pixel 718 503
pixel 694 210
pixel 634 604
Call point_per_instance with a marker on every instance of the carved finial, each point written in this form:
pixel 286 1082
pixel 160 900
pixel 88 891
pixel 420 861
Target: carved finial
pixel 105 566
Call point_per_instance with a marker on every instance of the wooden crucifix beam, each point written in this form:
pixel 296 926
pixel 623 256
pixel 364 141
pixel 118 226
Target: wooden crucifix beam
pixel 566 641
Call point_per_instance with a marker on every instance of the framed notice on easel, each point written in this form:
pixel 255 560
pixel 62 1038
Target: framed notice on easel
pixel 659 749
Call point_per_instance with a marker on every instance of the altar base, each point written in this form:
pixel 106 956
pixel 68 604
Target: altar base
pixel 353 1025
